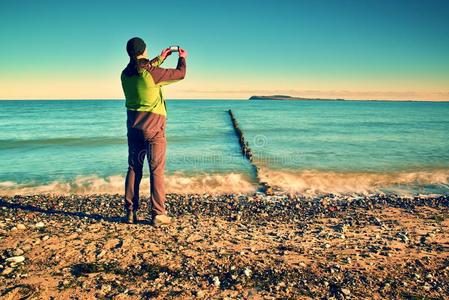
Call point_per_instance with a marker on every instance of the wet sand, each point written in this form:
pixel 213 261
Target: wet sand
pixel 226 247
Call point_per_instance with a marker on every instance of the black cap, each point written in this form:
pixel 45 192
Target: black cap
pixel 135 46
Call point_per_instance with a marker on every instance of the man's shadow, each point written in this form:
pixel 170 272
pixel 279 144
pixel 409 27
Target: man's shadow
pixel 79 214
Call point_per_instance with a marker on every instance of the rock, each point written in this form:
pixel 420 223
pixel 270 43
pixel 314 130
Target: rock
pixel 18 252
pixel 27 247
pixel 7 271
pixel 346 292
pixel 248 272
pixel 376 221
pixel 45 238
pixel 385 253
pixel 101 254
pixel 216 281
pixel 252 294
pixel 403 236
pixel 200 293
pixel 280 285
pixel 21 227
pixel 341 228
pixel 39 225
pixel 16 259
pixel 106 288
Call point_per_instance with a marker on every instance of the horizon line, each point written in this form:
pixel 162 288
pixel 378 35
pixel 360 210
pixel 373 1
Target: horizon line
pixel 228 99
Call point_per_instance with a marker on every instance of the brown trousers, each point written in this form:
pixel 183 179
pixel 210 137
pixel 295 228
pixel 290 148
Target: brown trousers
pixel 150 143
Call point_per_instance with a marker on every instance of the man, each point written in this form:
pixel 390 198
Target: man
pixel 142 82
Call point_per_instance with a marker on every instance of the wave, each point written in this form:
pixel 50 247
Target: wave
pixel 312 182
pixel 308 183
pixel 176 183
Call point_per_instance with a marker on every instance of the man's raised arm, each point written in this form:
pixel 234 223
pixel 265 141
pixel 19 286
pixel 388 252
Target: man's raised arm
pixel 163 76
pixel 158 60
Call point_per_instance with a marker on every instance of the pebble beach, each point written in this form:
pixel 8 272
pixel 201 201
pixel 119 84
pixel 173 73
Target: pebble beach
pixel 234 246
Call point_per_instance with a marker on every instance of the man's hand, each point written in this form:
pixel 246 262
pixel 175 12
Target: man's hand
pixel 165 53
pixel 182 53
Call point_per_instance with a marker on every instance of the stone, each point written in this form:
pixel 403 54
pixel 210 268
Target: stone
pixel 27 247
pixel 216 281
pixel 377 221
pixel 106 288
pixel 21 227
pixel 341 228
pixel 39 225
pixel 7 271
pixel 16 259
pixel 18 252
pixel 346 292
pixel 200 293
pixel 403 236
pixel 101 254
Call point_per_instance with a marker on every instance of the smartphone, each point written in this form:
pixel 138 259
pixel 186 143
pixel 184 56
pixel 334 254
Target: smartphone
pixel 174 48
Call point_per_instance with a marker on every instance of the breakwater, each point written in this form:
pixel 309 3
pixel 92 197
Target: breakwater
pixel 248 154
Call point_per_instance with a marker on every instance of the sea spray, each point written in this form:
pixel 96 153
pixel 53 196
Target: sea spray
pixel 309 183
pixel 175 183
pixel 313 182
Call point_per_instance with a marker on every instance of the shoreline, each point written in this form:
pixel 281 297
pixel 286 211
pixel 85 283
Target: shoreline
pixel 237 246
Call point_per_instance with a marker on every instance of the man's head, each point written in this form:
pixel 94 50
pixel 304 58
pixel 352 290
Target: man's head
pixel 136 47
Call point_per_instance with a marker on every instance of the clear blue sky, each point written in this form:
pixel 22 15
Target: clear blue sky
pixel 371 48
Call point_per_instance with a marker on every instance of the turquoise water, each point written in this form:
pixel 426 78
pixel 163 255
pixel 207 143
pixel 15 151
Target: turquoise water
pixel 304 146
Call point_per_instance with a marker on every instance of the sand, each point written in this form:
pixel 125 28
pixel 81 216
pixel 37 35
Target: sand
pixel 226 247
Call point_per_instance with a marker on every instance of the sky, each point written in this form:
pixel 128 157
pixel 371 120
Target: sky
pixel 352 49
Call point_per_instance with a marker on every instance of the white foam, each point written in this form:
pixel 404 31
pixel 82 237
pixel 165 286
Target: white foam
pixel 311 182
pixel 176 183
pixel 305 182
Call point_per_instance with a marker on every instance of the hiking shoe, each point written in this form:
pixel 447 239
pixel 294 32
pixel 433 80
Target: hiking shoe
pixel 159 220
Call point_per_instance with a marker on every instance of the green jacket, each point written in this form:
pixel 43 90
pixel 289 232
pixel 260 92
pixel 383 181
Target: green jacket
pixel 142 82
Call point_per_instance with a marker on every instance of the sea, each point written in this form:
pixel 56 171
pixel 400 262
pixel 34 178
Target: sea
pixel 310 147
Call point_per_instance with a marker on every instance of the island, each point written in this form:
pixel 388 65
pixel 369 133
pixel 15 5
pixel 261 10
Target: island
pixel 285 97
